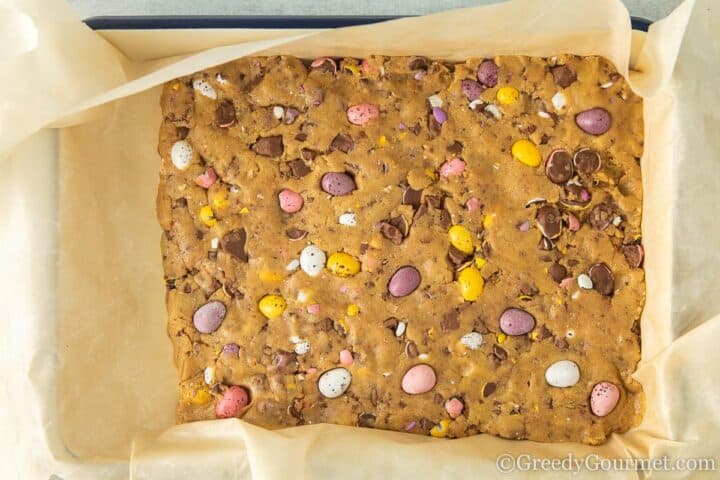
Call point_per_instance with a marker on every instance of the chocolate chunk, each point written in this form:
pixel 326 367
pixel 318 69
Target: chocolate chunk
pixel 557 272
pixel 457 257
pixel 325 325
pixel 438 399
pixel 401 223
pixel 434 126
pixel 412 197
pixel 634 254
pixel 445 219
pixel 180 203
pixel 366 420
pixel 290 115
pixel 549 220
pixel 499 353
pixel 295 408
pixel 418 63
pixel 301 137
pixel 182 132
pixel 415 129
pixel 422 210
pixel 455 148
pixel 563 75
pixel 269 146
pixel 543 333
pixel 559 166
pixel 426 424
pixel 411 350
pixel 284 362
pixel 546 244
pixel 561 343
pixel 342 142
pixel 450 321
pixel 374 396
pixel 433 201
pixel 296 233
pixel 298 169
pixel 234 244
pixel 489 389
pixel 225 114
pixel 587 161
pixel 391 323
pixel 635 328
pixel 602 278
pixel 529 289
pixel 391 232
pixel 575 195
pixel 308 154
pixel 601 215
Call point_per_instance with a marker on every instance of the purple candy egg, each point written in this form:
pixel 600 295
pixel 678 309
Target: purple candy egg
pixel 472 89
pixel 208 318
pixel 337 183
pixel 487 73
pixel 440 115
pixel 595 121
pixel 516 321
pixel 404 281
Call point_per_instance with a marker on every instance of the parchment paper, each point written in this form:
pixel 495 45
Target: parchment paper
pixel 88 386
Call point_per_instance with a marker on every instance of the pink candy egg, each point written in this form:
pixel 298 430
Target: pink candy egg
pixel 573 223
pixel 207 179
pixel 346 357
pixel 232 402
pixel 604 398
pixel 419 379
pixel 290 201
pixel 362 113
pixel 454 407
pixel 452 168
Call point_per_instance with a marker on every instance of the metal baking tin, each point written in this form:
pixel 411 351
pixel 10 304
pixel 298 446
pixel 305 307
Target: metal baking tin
pixel 154 22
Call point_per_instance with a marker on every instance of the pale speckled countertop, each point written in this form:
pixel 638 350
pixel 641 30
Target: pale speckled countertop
pixel 650 9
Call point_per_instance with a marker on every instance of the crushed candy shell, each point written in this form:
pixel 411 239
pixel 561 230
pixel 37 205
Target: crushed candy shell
pixel 435 101
pixel 206 179
pixel 205 89
pixel 348 219
pixel 452 168
pixel 472 340
pixel 346 358
pixel 439 115
pixel 584 281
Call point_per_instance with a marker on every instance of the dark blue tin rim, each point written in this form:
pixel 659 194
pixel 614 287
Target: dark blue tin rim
pixel 253 21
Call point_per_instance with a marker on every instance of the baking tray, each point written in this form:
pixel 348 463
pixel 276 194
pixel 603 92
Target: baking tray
pixel 155 22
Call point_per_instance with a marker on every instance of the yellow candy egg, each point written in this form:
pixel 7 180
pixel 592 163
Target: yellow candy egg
pixel 207 216
pixel 507 95
pixel 272 306
pixel 343 264
pixel 461 238
pixel 440 430
pixel 526 152
pixel 471 283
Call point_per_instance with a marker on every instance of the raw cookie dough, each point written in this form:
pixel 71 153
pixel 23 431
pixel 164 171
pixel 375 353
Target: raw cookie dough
pixel 406 244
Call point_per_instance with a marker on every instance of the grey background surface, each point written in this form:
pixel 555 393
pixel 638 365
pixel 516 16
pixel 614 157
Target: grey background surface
pixel 650 9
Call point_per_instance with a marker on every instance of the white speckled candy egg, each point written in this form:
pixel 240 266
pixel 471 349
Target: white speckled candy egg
pixel 205 88
pixel 334 383
pixel 181 154
pixel 348 219
pixel 312 260
pixel 472 340
pixel 561 374
pixel 558 101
